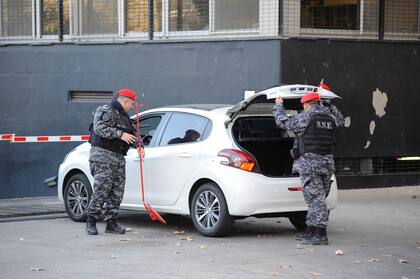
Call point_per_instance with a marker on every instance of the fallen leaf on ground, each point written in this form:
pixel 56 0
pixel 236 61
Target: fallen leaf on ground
pixel 189 238
pixel 114 256
pixel 413 197
pixel 371 260
pixel 125 239
pixel 286 266
pixel 339 252
pixel 179 232
pixel 128 229
pixel 274 274
pixel 211 261
pixel 203 247
pixel 315 274
pixel 37 269
pixel 177 252
pixel 403 261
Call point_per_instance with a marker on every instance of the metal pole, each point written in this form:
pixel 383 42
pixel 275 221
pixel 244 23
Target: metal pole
pixel 60 20
pixel 381 22
pixel 280 23
pixel 151 18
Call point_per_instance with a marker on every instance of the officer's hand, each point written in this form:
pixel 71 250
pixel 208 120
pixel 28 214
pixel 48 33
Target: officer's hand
pixel 326 103
pixel 279 101
pixel 141 152
pixel 128 138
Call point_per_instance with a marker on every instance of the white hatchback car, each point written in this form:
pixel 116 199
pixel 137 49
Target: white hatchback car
pixel 216 163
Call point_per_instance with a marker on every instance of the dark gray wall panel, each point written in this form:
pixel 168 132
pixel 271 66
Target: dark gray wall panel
pixel 355 70
pixel 34 81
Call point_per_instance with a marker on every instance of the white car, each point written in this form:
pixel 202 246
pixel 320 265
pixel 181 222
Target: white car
pixel 216 163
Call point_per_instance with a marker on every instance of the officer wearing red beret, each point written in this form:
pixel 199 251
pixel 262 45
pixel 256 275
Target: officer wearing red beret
pixel 112 133
pixel 314 130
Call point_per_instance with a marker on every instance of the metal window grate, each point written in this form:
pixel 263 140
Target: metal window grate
pixel 90 96
pixel 379 165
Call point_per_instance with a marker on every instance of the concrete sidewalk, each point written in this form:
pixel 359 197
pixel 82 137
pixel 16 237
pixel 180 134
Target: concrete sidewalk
pixel 10 208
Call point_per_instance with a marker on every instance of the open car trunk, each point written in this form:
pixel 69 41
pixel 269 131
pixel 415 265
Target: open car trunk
pixel 255 131
pixel 270 145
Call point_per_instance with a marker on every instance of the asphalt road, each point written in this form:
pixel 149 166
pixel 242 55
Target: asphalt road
pixel 378 232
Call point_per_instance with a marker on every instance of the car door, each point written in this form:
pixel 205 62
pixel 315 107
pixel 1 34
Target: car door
pixel 149 128
pixel 169 164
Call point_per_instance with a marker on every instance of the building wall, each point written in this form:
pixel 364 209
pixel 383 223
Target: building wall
pixel 378 83
pixel 355 71
pixel 35 80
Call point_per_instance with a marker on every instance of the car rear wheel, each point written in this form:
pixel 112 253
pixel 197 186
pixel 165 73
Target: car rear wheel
pixel 209 211
pixel 298 220
pixel 77 194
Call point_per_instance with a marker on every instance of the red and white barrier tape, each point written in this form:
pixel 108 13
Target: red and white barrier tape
pixel 22 139
pixel 6 137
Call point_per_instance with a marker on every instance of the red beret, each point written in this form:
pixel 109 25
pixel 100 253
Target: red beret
pixel 310 97
pixel 127 93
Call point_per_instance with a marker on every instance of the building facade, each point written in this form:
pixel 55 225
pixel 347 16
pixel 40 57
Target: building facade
pixel 59 59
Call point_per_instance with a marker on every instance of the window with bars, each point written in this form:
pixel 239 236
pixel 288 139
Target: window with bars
pixel 352 18
pixel 16 18
pixel 49 15
pixel 127 19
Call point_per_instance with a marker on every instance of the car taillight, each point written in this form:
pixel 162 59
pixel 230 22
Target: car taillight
pixel 237 159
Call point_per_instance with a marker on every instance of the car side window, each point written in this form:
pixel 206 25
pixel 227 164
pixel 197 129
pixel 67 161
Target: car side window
pixel 184 128
pixel 148 128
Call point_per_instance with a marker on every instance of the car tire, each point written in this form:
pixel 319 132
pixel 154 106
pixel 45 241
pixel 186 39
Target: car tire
pixel 298 220
pixel 77 194
pixel 209 211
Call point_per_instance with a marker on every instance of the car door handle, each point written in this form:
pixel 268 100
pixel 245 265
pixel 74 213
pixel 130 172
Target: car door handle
pixel 185 155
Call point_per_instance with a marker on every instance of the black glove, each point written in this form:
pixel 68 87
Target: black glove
pixel 326 103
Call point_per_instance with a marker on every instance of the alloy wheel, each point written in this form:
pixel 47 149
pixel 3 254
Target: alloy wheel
pixel 77 198
pixel 207 210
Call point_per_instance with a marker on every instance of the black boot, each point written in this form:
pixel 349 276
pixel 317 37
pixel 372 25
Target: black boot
pixel 113 227
pixel 91 226
pixel 305 234
pixel 319 237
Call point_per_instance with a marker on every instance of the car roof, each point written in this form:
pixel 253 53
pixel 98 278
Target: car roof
pixel 207 107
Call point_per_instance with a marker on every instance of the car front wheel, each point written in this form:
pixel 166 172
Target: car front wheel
pixel 209 211
pixel 77 194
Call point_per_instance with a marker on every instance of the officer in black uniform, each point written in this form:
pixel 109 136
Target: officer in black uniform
pixel 112 134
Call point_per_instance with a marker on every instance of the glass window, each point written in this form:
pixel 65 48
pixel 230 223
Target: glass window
pixel 188 15
pixel 137 18
pixel 148 127
pixel 49 15
pixel 236 14
pixel 402 17
pixel 330 14
pixel 184 128
pixel 99 17
pixel 16 18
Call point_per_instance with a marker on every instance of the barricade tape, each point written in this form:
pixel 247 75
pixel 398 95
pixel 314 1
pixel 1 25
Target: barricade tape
pixel 6 137
pixel 12 138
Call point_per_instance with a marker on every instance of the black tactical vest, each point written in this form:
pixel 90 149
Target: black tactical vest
pixel 123 123
pixel 319 136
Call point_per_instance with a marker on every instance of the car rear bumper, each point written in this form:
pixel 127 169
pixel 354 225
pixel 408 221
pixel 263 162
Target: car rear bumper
pixel 253 194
